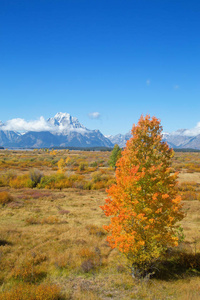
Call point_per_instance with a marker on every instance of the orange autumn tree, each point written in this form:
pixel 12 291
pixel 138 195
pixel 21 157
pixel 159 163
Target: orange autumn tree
pixel 143 204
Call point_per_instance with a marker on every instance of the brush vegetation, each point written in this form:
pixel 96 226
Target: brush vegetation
pixel 52 241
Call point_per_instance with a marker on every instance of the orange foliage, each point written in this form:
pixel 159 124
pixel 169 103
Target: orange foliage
pixel 143 204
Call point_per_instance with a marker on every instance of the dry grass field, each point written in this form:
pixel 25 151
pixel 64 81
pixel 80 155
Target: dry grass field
pixel 52 245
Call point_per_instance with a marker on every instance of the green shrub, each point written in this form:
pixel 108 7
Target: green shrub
pixel 96 176
pixel 83 166
pixel 35 176
pixel 115 155
pixel 49 181
pixel 93 164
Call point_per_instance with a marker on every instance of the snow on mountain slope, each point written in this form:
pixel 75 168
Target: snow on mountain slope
pixel 120 139
pixel 64 123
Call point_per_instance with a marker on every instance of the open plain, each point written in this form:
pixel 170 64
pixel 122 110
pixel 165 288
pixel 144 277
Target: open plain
pixel 53 246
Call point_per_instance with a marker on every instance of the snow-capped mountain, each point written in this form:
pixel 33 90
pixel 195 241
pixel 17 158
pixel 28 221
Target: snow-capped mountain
pixel 7 138
pixel 183 138
pixel 120 139
pixel 62 130
pixel 64 123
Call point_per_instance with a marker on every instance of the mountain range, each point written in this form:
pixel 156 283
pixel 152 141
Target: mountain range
pixel 180 139
pixel 63 130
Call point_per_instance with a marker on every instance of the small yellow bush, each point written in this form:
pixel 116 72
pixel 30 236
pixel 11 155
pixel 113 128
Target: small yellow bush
pixel 86 253
pixel 21 182
pixel 5 197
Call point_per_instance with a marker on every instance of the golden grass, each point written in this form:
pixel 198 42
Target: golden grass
pixel 193 177
pixel 52 242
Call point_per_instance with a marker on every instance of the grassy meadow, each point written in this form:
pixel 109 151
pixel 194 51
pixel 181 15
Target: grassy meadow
pixel 53 246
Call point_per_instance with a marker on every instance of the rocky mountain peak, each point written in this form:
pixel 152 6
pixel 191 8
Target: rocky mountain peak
pixel 65 121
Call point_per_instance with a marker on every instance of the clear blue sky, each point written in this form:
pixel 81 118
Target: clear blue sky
pixel 118 58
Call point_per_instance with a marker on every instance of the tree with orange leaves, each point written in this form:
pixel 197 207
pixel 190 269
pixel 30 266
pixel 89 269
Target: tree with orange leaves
pixel 143 204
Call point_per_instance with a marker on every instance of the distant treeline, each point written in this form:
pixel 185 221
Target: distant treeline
pixel 84 148
pixel 185 150
pixel 98 149
pixel 69 148
pixel 110 149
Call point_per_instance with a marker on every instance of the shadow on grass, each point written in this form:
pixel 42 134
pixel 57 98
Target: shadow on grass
pixel 178 265
pixel 4 243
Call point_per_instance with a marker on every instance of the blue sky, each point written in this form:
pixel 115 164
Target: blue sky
pixel 119 59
